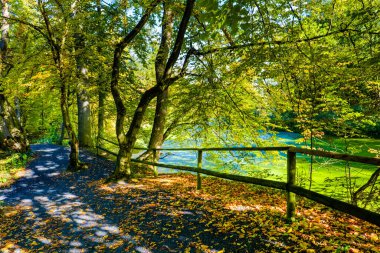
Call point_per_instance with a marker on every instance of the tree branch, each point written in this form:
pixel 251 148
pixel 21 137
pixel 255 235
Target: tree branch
pixel 370 182
pixel 267 43
pixel 118 53
pixel 50 38
pixel 35 27
pixel 186 61
pixel 180 36
pixel 132 34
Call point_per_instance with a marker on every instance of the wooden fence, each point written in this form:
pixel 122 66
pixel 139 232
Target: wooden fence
pixel 290 186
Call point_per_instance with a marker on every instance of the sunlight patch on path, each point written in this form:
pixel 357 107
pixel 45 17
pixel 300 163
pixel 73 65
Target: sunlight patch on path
pixel 56 211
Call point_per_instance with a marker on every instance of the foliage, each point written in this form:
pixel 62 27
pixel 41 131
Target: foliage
pixel 326 81
pixel 12 166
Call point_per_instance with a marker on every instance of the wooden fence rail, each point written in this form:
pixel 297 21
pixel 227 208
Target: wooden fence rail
pixel 290 186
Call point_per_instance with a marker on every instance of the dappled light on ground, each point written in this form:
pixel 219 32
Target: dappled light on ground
pixel 50 210
pixel 232 217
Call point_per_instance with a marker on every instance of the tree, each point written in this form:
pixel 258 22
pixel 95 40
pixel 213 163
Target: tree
pixel 127 141
pixel 12 134
pixel 83 97
pixel 57 43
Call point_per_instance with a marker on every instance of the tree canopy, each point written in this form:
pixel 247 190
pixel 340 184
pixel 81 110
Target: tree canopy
pixel 217 72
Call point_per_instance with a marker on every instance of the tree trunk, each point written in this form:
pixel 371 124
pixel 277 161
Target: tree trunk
pixel 123 168
pixel 4 133
pixel 16 140
pixel 158 129
pixel 74 163
pixel 84 118
pixel 14 136
pixel 127 142
pixel 56 46
pixel 18 110
pixel 101 109
pixel 157 134
pixel 61 134
pixel 83 100
pixel 101 84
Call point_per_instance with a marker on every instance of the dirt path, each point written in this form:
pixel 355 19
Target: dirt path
pixel 60 207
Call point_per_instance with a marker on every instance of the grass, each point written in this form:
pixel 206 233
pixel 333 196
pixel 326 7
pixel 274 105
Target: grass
pixel 335 178
pixel 12 167
pixel 330 177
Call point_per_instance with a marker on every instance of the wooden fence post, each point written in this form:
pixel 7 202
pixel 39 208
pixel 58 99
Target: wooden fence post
pixel 154 157
pixel 199 166
pixel 291 197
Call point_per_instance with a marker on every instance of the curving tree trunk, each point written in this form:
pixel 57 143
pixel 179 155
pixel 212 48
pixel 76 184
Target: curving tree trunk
pixel 126 141
pixel 164 80
pixel 157 134
pixel 124 169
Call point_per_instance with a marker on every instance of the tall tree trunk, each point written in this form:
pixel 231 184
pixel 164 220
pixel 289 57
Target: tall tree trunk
pixel 57 46
pixel 83 98
pixel 61 134
pixel 157 134
pixel 13 131
pixel 84 119
pixel 101 108
pixel 74 163
pixel 123 168
pixel 158 130
pixel 101 85
pixel 83 105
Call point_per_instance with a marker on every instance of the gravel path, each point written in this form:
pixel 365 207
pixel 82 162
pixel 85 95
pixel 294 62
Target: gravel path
pixel 79 219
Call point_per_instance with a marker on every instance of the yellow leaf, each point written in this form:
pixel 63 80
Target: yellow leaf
pixel 374 237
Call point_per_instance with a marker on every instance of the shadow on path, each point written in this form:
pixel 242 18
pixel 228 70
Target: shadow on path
pixel 60 210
